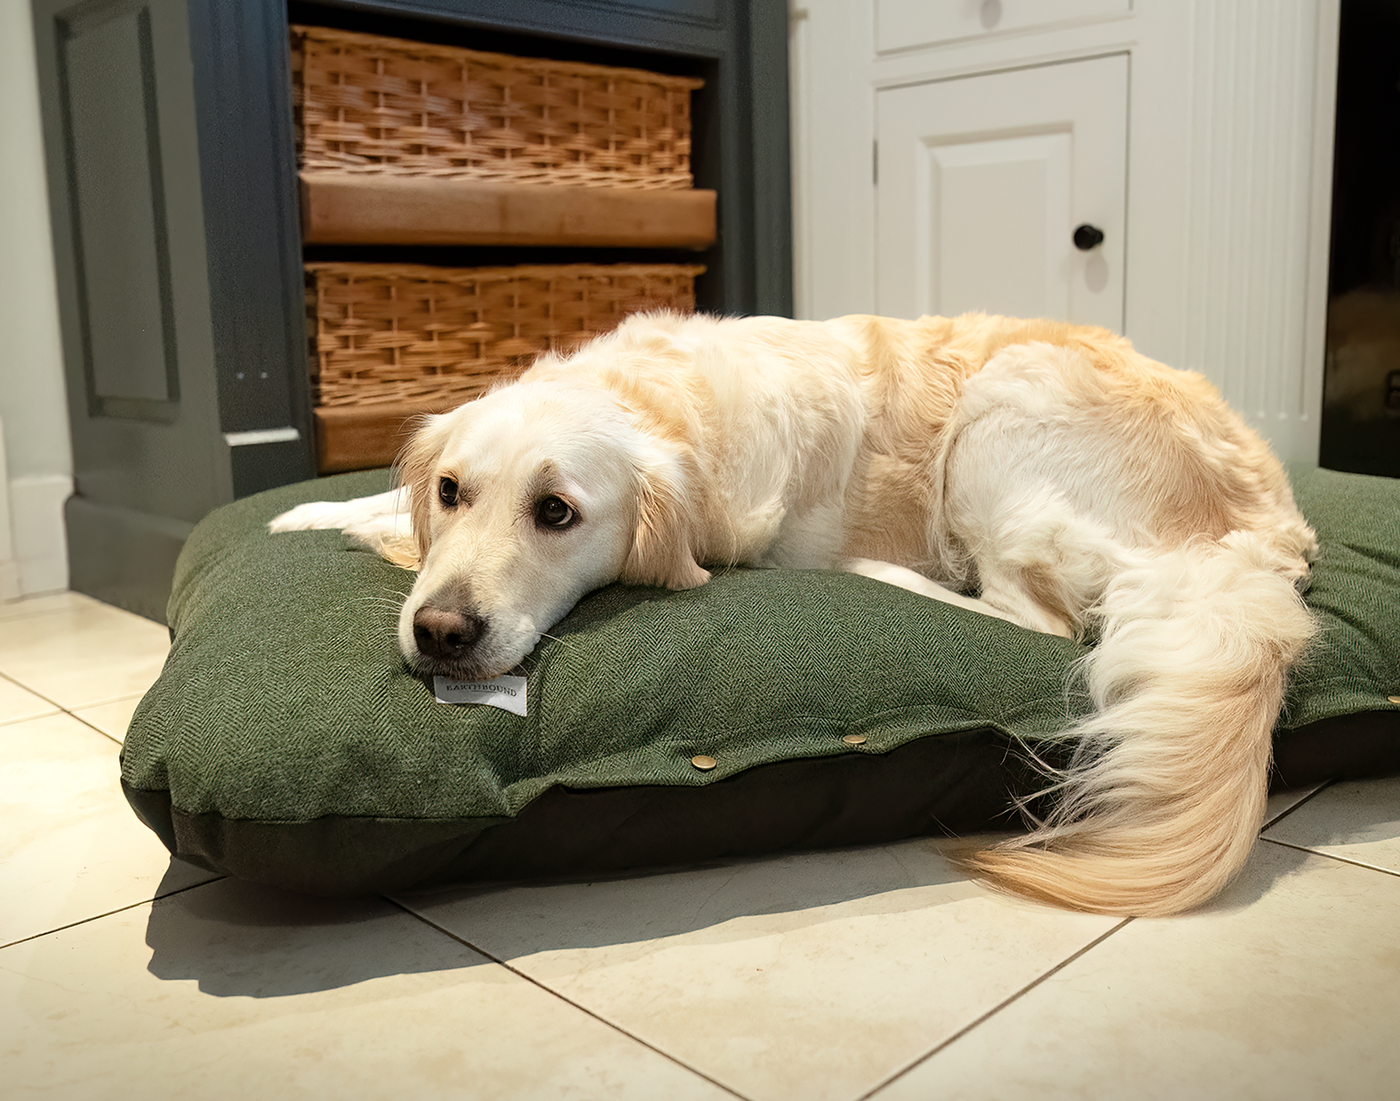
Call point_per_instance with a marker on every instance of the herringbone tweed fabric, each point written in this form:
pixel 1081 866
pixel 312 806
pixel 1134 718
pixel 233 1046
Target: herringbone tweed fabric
pixel 285 700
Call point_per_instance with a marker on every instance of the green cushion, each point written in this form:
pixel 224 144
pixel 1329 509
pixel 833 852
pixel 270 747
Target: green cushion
pixel 287 742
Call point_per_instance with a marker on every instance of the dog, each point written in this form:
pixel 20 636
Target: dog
pixel 1041 472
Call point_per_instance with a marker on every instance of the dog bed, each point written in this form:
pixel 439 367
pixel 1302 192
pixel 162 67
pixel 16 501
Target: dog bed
pixel 286 741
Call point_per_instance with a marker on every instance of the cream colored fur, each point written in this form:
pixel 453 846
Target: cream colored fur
pixel 1035 471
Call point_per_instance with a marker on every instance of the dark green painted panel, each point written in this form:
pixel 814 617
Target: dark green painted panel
pixel 123 557
pixel 108 84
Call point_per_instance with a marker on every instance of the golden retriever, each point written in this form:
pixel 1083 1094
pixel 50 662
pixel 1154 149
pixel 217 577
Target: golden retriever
pixel 1037 471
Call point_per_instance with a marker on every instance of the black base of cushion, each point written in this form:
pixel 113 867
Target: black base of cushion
pixel 950 786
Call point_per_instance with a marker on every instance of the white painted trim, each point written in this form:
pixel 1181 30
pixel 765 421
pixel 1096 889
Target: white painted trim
pixel 833 135
pixel 1253 297
pixel 255 436
pixel 1319 243
pixel 40 537
pixel 9 566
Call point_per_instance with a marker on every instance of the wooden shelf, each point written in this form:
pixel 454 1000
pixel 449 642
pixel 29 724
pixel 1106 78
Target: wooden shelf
pixel 352 209
pixel 358 437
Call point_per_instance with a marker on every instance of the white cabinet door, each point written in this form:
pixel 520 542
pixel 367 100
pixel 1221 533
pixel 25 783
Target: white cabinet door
pixel 982 182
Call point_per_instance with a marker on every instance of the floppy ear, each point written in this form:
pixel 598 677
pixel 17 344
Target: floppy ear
pixel 661 546
pixel 415 468
pixel 401 550
pixel 392 540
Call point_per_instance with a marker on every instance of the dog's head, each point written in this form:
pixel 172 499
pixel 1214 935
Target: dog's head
pixel 522 502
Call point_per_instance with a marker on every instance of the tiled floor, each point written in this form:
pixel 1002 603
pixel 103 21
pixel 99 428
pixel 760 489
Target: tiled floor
pixel 862 973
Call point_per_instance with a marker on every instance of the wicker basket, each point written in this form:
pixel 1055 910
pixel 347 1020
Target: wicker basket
pixel 412 335
pixel 367 104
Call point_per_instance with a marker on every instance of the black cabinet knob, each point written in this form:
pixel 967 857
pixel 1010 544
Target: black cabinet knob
pixel 1087 237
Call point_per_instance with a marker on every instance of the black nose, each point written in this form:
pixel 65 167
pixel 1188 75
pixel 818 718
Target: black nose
pixel 442 634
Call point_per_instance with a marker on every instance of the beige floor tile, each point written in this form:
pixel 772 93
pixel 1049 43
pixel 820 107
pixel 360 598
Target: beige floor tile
pixel 234 991
pixel 18 703
pixel 806 977
pixel 1285 988
pixel 1355 820
pixel 110 718
pixel 84 653
pixel 71 848
pixel 1283 802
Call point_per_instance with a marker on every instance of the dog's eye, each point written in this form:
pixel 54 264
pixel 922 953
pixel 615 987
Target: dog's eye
pixel 553 512
pixel 447 492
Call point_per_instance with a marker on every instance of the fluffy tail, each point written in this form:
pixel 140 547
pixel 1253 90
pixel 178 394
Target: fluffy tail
pixel 1166 789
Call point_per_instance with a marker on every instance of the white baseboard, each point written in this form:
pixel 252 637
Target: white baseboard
pixel 38 543
pixel 9 568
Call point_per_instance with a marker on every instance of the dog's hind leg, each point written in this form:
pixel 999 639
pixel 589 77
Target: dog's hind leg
pixel 1046 567
pixel 1037 564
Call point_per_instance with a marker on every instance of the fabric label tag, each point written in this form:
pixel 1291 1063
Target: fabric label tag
pixel 507 693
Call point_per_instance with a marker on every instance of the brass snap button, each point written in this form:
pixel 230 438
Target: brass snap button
pixel 1393 699
pixel 703 763
pixel 854 739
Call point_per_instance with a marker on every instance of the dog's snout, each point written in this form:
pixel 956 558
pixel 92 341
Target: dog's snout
pixel 446 635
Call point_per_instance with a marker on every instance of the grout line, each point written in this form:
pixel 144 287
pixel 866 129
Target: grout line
pixel 93 726
pixel 564 998
pixel 120 909
pixel 24 687
pixel 960 1033
pixel 1308 798
pixel 1332 856
pixel 35 692
pixel 72 712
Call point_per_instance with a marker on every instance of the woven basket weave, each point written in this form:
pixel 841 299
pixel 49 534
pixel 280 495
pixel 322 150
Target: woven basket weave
pixel 368 104
pixel 411 334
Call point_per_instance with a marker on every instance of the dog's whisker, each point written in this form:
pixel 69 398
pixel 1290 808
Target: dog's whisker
pixel 382 606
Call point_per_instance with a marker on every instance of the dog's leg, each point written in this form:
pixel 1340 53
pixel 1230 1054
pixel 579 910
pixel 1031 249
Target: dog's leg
pixel 380 522
pixel 808 540
pixel 358 512
pixel 904 578
pixel 1044 566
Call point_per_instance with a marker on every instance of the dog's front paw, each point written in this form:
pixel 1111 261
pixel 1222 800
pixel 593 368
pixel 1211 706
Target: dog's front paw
pixel 313 514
